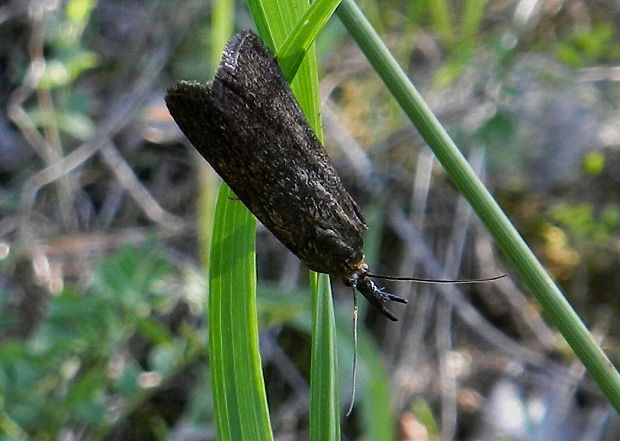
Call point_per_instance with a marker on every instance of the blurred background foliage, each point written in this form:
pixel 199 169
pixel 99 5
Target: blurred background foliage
pixel 101 289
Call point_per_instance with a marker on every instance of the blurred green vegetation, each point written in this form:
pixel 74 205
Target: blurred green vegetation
pixel 114 346
pixel 71 368
pixel 585 47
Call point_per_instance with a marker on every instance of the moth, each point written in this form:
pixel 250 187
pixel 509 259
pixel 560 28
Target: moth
pixel 247 124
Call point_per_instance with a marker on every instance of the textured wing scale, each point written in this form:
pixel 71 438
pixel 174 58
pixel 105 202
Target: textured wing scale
pixel 249 127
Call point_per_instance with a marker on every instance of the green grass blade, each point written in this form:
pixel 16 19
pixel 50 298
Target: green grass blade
pixel 275 22
pixel 473 12
pixel 236 376
pixel 442 16
pixel 300 40
pixel 222 25
pixel 324 390
pixel 375 396
pixel 555 306
pixel 222 22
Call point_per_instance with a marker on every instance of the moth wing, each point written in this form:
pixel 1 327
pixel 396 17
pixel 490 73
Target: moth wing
pixel 249 127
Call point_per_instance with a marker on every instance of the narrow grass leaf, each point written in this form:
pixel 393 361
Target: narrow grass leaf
pixel 532 273
pixel 236 376
pixel 300 40
pixel 376 404
pixel 275 22
pixel 324 390
pixel 222 22
pixel 473 13
pixel 442 16
pixel 373 400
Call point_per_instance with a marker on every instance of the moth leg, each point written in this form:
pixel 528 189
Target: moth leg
pixel 378 297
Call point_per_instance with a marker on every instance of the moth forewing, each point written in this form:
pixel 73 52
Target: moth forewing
pixel 249 127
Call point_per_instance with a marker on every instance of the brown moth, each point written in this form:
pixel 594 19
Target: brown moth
pixel 247 124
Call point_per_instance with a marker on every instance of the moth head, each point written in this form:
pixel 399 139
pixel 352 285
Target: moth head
pixel 359 272
pixel 358 279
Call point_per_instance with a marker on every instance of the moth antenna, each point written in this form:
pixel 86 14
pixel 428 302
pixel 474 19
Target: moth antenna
pixel 436 281
pixel 354 369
